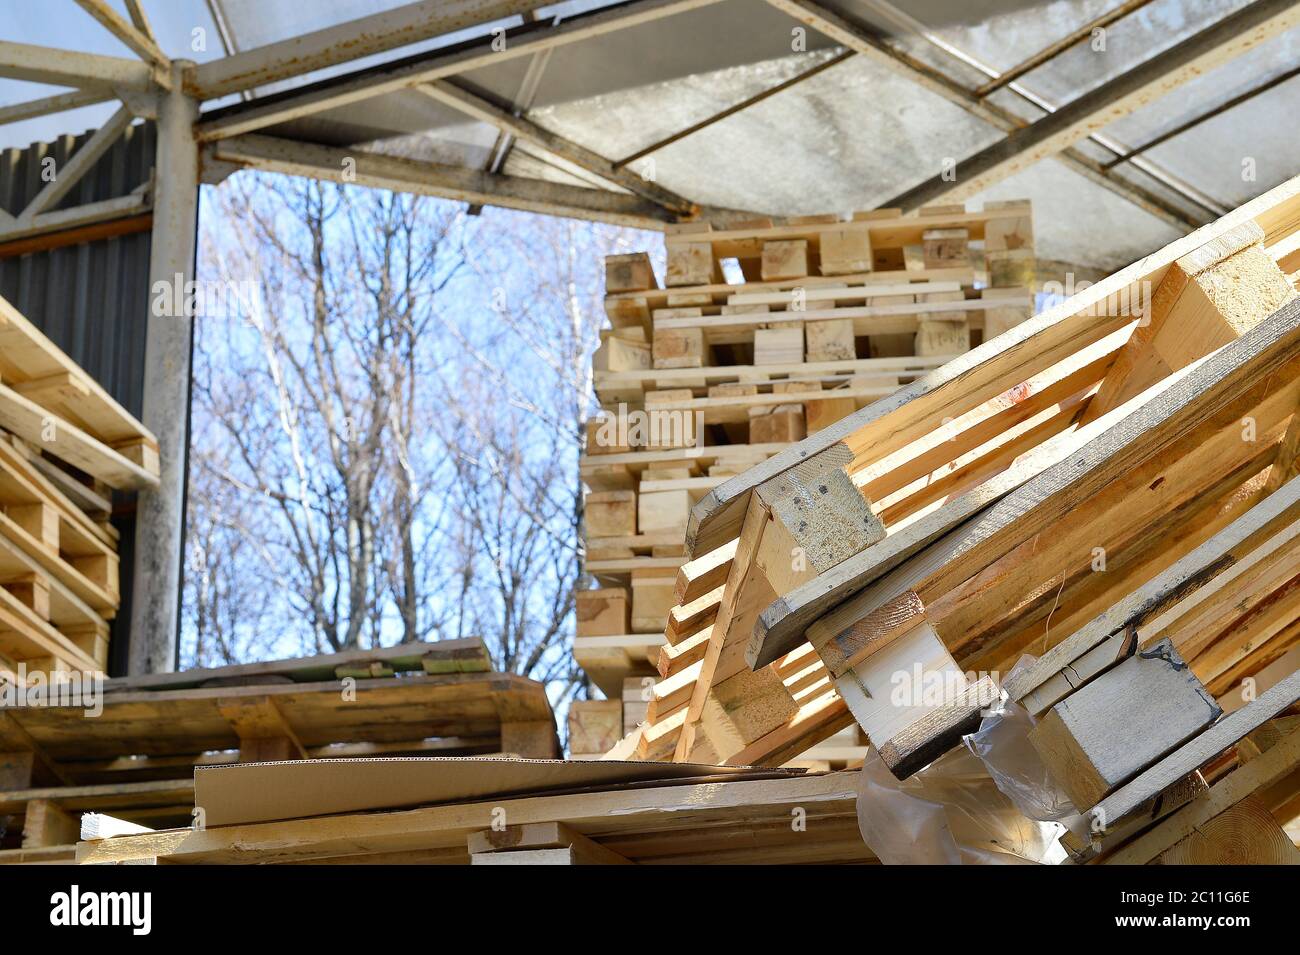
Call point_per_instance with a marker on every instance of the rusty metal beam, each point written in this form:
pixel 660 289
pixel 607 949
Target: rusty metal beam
pixel 854 37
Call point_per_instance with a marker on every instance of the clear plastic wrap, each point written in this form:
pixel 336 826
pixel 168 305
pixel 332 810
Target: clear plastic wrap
pixel 991 802
pixel 1002 745
pixel 950 813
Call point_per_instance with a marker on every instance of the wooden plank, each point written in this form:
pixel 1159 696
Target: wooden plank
pixel 33 423
pixel 688 810
pixel 1146 603
pixel 26 355
pixel 466 655
pixel 785 622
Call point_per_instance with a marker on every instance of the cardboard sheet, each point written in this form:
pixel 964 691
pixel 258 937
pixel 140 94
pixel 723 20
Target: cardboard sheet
pixel 261 792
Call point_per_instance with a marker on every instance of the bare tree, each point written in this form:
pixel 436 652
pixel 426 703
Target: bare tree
pixel 392 429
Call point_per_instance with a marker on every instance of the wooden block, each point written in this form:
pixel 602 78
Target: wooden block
pixel 785 259
pixel 894 345
pixel 543 843
pixel 908 677
pixel 941 337
pixel 1011 268
pixel 652 598
pixel 755 702
pixel 1012 233
pixel 602 613
pixel 46 824
pixel 630 272
pixel 945 248
pixel 16 770
pixel 796 387
pixel 663 511
pixel 531 739
pixel 926 739
pixel 609 477
pixel 679 347
pixel 268 750
pixel 620 351
pixel 845 252
pixel 666 474
pixel 595 726
pixel 91 641
pixel 39 520
pixel 818 519
pixel 100 569
pixel 638 691
pixel 663 396
pixel 141 451
pixel 1002 318
pixel 689 299
pixel 831 341
pixel 610 514
pixel 778 346
pixel 820 414
pixel 1112 728
pixel 667 427
pixel 603 436
pixel 691 263
pixel 785 423
pixel 1207 298
pixel 631 311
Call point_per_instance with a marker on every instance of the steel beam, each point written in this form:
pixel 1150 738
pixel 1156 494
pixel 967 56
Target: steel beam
pixel 52 104
pixel 77 165
pixel 526 41
pixel 45 64
pixel 75 217
pixel 160 520
pixel 139 19
pixel 471 104
pixel 349 41
pixel 328 163
pixel 139 43
pixel 1212 47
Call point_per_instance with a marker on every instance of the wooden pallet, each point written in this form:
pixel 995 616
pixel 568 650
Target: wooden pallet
pixel 46 399
pixel 415 698
pixel 714 821
pixel 58 572
pixel 833 315
pixel 896 508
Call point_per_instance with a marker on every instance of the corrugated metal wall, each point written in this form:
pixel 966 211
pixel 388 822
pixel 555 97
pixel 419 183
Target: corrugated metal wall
pixel 92 298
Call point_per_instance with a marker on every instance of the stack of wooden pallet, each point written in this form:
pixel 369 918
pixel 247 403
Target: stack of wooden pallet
pixel 717 372
pixel 64 445
pixel 1109 487
pixel 136 759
